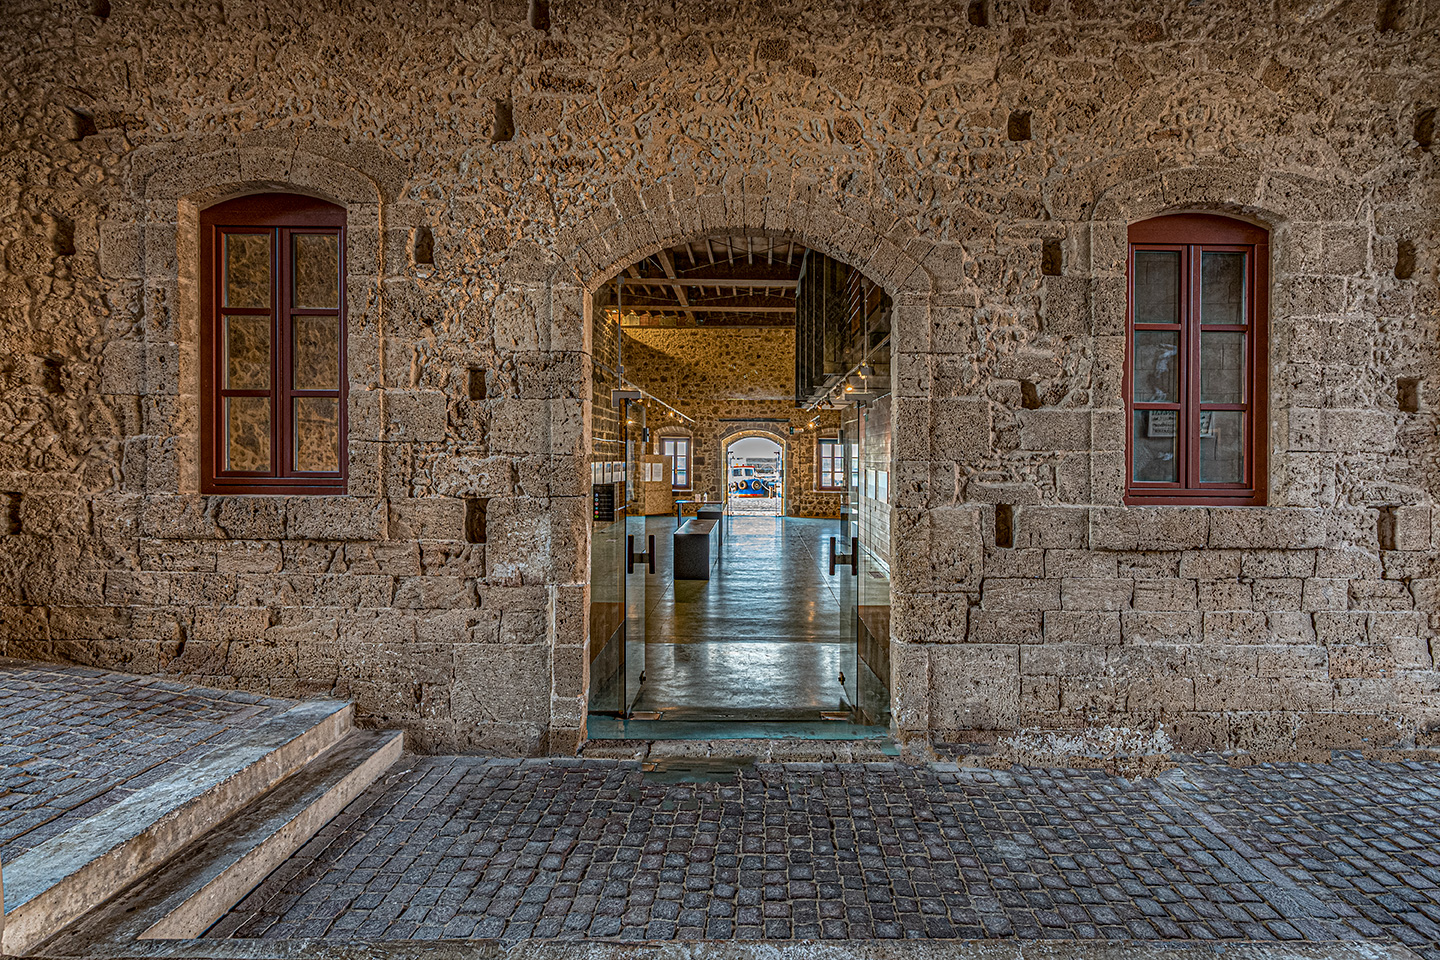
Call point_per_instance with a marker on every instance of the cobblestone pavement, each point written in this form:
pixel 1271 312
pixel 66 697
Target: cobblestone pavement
pixel 465 847
pixel 77 740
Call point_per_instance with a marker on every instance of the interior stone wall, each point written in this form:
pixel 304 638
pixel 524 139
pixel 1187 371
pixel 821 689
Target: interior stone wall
pixel 730 382
pixel 934 150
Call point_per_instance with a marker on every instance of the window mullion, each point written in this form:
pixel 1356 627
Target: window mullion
pixel 276 325
pixel 284 389
pixel 1191 368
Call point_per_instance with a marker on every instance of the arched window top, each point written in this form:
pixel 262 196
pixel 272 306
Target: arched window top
pixel 270 209
pixel 1197 228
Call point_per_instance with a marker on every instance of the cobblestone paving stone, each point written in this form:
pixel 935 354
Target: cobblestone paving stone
pixel 78 740
pixel 464 847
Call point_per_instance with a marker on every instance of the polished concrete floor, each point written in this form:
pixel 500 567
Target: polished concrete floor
pixel 766 638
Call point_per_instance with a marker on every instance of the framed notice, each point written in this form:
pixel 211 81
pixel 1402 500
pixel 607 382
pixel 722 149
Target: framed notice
pixel 1161 423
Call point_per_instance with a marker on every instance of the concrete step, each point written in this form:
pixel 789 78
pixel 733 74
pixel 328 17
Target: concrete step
pixel 53 884
pixel 182 899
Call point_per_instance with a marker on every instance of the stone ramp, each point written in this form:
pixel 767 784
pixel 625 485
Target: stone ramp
pixel 77 740
pixel 155 766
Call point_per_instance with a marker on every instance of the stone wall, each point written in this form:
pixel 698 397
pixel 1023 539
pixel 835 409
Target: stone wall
pixel 495 174
pixel 730 383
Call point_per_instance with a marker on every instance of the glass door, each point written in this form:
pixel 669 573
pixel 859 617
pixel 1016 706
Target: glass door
pixel 872 568
pixel 607 593
pixel 640 556
pixel 846 583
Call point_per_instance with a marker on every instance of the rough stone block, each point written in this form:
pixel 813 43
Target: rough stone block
pixel 1005 628
pixel 1048 430
pixel 1065 310
pixel 1085 628
pixel 974 687
pixel 1094 593
pixel 1167 627
pixel 930 617
pixel 1062 660
pixel 1280 528
pixel 961 428
pixel 1000 594
pixel 1149 528
pixel 415 415
pixel 1051 527
pixel 1168 594
pixel 335 518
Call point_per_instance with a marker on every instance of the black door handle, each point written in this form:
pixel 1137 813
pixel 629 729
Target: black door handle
pixel 631 556
pixel 837 560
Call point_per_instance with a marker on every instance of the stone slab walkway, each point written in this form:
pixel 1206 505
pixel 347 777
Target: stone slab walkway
pixel 77 741
pixel 449 847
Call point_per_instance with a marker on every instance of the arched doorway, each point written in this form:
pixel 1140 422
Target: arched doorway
pixel 755 475
pixel 760 350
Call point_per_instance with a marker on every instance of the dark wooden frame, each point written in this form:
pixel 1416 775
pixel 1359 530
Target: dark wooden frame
pixel 281 216
pixel 1192 234
pixel 840 470
pixel 689 460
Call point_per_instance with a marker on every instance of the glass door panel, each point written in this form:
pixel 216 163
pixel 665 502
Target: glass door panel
pixel 607 604
pixel 637 570
pixel 872 582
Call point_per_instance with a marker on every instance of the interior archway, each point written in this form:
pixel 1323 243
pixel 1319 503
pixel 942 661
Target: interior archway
pixel 755 474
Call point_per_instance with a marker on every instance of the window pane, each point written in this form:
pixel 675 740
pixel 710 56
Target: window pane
pixel 1222 288
pixel 1222 367
pixel 317 353
pixel 1157 286
pixel 247 270
pixel 247 433
pixel 317 271
pixel 1157 366
pixel 1222 446
pixel 317 433
pixel 247 353
pixel 1154 457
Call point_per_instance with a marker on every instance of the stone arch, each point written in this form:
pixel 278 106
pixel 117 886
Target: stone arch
pixel 847 227
pixel 174 184
pixel 741 432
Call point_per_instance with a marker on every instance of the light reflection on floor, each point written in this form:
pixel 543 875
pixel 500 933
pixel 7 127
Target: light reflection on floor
pixel 765 641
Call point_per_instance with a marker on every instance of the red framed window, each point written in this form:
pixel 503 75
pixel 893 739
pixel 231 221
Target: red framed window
pixel 678 450
pixel 1195 362
pixel 272 339
pixel 830 459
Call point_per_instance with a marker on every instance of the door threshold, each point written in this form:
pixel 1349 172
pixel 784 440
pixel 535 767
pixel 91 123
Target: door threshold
pixel 612 728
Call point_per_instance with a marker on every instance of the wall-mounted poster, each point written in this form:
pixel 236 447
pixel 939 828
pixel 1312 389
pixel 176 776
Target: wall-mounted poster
pixel 1161 423
pixel 597 472
pixel 882 486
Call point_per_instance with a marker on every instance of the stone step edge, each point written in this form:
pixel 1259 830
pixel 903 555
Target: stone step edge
pixel 250 857
pixel 71 873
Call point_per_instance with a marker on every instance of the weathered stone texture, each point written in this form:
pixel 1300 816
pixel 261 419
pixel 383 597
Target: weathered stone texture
pixel 875 133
